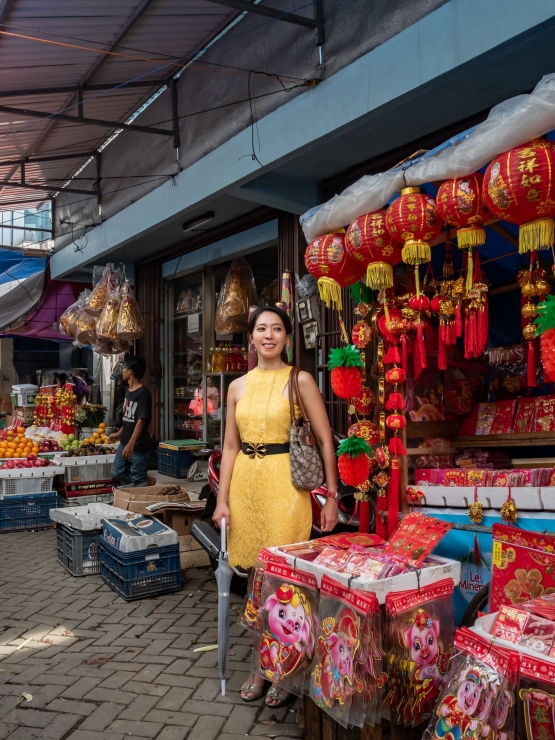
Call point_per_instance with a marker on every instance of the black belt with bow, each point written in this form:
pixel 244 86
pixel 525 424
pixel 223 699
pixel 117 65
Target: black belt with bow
pixel 259 449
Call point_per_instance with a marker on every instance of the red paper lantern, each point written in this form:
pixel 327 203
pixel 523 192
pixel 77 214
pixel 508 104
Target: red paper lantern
pixel 396 421
pixel 395 375
pixel 326 258
pixel 365 401
pixel 361 334
pixel 353 470
pixel 365 429
pixel 346 381
pixel 519 187
pixel 460 203
pixel 368 241
pixel 413 220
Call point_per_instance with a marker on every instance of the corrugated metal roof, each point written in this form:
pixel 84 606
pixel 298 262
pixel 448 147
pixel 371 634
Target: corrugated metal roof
pixel 60 44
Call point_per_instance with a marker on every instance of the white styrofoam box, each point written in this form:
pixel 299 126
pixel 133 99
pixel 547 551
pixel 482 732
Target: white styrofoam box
pixel 547 495
pixel 86 460
pixel 526 498
pixel 456 496
pixel 48 472
pixel 445 569
pixel 87 517
pixel 139 533
pixel 483 627
pixel 25 388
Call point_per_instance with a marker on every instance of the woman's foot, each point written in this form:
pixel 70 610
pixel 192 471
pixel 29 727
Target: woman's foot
pixel 253 688
pixel 277 697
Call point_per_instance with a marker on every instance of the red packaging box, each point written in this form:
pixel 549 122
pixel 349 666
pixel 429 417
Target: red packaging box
pixel 468 426
pixel 525 415
pixel 425 477
pixel 454 477
pixel 523 568
pixel 504 418
pixel 486 415
pixel 545 414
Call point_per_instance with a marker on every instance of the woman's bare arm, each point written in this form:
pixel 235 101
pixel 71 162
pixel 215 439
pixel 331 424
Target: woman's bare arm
pixel 318 417
pixel 231 448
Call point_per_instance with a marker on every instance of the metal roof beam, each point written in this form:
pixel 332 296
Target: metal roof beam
pixel 23 228
pixel 53 158
pixel 278 15
pixel 95 86
pixel 86 121
pixel 46 188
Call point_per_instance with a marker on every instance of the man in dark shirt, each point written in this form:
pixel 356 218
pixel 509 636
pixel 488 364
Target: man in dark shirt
pixel 131 463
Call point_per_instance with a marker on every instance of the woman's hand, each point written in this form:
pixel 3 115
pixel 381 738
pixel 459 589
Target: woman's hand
pixel 222 512
pixel 328 517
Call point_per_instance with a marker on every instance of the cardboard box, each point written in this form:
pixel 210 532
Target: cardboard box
pixel 178 519
pixel 191 554
pixel 138 533
pixel 26 399
pixel 137 499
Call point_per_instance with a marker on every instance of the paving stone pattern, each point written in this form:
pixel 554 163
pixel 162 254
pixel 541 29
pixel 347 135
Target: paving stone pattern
pixel 77 662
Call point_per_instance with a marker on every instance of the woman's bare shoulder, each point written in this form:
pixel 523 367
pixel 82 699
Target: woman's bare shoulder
pixel 236 388
pixel 306 380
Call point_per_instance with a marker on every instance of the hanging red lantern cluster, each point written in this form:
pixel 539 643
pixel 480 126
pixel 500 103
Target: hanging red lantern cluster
pixel 519 187
pixel 368 241
pixel 344 364
pixel 413 220
pixel 327 260
pixel 460 204
pixel 532 283
pixel 365 429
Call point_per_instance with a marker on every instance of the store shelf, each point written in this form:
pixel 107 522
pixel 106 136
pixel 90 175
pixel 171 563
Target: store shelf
pixel 518 439
pixel 449 450
pixel 181 316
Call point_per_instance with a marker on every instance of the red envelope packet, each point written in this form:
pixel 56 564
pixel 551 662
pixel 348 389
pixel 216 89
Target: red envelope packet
pixel 525 415
pixel 509 624
pixel 503 421
pixel 486 415
pixel 545 414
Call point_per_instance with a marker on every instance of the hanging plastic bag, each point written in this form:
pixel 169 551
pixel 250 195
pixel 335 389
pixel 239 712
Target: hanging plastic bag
pixel 475 682
pixel 368 706
pixel 107 326
pixel 284 643
pixel 250 616
pixel 130 320
pixel 338 676
pixel 420 629
pixel 237 294
pixel 105 281
pixel 84 326
pixel 74 326
pixel 68 318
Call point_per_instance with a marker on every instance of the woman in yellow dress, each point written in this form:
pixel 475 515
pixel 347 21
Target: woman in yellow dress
pixel 257 498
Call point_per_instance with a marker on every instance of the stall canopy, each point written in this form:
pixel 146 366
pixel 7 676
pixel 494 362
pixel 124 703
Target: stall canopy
pixel 30 302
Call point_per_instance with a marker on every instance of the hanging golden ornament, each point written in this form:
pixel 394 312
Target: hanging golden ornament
pixel 509 512
pixel 476 512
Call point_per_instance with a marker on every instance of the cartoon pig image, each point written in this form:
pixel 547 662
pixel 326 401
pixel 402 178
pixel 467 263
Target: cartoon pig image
pixel 292 632
pixel 422 640
pixel 499 714
pixel 337 667
pixel 455 712
pixel 341 654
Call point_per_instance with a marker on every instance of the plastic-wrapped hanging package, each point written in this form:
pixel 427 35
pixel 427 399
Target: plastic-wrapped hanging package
pixel 105 281
pixel 73 326
pixel 338 674
pixel 68 318
pixel 421 628
pixel 85 324
pixel 107 326
pixel 130 320
pixel 236 295
pixel 475 682
pixel 250 616
pixel 369 666
pixel 534 701
pixel 284 642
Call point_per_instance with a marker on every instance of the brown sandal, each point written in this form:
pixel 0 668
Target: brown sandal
pixel 280 695
pixel 251 688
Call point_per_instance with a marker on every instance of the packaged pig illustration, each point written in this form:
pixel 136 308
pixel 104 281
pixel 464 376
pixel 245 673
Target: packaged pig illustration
pixel 420 631
pixel 288 626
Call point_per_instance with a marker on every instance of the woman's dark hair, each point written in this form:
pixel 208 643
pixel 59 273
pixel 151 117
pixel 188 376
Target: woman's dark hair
pixel 136 364
pixel 285 320
pixel 62 378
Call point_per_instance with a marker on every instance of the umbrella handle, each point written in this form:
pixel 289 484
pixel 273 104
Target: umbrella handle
pixel 223 531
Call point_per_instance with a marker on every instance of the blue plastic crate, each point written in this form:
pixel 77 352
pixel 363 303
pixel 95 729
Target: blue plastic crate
pixel 138 575
pixel 28 511
pixel 175 463
pixel 78 551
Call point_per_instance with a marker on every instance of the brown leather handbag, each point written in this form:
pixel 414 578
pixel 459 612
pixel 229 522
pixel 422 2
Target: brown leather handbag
pixel 307 470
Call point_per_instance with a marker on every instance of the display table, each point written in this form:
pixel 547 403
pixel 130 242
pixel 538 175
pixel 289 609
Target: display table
pixel 320 726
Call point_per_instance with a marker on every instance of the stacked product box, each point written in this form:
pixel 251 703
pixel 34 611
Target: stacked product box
pixel 86 476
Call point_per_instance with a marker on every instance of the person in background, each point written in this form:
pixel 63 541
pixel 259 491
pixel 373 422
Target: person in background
pixel 131 464
pixel 80 388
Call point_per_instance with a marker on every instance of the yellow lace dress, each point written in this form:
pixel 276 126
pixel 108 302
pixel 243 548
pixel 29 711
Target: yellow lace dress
pixel 265 507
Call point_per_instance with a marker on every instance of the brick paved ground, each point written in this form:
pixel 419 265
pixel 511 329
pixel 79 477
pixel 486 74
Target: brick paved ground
pixel 99 668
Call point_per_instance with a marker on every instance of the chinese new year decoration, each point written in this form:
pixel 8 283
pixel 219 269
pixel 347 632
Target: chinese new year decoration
pixel 368 241
pixel 545 323
pixel 354 467
pixel 519 187
pixel 345 364
pixel 413 220
pixel 327 259
pixel 66 403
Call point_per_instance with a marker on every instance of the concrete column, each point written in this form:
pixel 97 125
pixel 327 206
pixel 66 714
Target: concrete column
pixel 8 374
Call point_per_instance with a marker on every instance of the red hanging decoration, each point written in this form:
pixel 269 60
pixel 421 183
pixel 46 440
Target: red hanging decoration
pixel 365 401
pixel 394 486
pixel 413 221
pixel 519 187
pixel 366 430
pixel 368 241
pixel 345 364
pixel 327 260
pixel 460 204
pixel 354 467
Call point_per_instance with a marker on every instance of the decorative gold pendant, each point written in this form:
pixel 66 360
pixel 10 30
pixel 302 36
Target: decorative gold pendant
pixel 476 512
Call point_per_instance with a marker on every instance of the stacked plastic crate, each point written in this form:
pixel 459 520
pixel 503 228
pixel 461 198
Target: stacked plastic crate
pixel 86 480
pixel 26 497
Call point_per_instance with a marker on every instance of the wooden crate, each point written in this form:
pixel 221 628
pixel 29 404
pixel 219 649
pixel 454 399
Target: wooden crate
pixel 320 726
pixel 191 554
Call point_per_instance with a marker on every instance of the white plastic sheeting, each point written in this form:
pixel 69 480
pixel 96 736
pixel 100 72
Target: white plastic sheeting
pixel 509 124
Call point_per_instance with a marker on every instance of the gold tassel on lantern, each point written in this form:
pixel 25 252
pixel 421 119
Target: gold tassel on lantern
pixel 535 235
pixel 330 292
pixel 379 275
pixel 471 236
pixel 416 252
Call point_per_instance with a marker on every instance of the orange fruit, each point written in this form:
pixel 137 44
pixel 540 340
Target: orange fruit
pixel 21 430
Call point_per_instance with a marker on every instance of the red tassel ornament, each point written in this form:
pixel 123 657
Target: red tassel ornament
pixel 393 490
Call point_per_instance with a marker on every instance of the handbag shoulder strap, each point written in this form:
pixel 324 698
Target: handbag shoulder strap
pixel 298 393
pixel 291 391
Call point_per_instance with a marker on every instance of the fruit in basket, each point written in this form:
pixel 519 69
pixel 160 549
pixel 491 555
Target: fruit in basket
pixel 87 449
pixel 31 461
